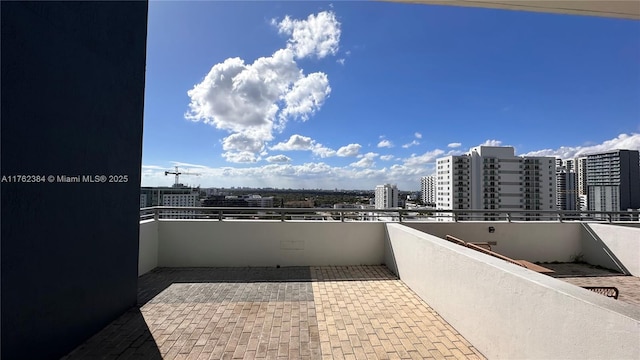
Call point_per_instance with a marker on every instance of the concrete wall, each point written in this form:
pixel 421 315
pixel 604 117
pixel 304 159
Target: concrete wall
pixel 509 312
pixel 623 242
pixel 73 77
pixel 532 241
pixel 596 252
pixel 148 246
pixel 184 243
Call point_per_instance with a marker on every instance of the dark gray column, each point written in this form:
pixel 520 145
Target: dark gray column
pixel 72 101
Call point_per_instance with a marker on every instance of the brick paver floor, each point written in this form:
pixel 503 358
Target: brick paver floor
pixel 350 312
pixel 581 274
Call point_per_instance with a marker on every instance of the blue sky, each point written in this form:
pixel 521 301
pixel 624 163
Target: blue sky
pixel 348 95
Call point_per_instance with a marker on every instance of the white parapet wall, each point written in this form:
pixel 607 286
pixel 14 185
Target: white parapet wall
pixel 622 241
pixel 206 243
pixel 148 247
pixel 509 312
pixel 532 241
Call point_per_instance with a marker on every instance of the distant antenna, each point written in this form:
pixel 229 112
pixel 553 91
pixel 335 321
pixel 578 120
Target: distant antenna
pixel 177 174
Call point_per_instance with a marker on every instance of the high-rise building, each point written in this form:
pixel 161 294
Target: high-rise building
pixel 386 196
pixel 566 187
pixel 579 167
pixel 613 180
pixel 172 196
pixel 491 177
pixel 428 189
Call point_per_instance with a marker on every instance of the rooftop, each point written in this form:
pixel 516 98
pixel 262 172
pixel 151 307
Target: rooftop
pixel 228 287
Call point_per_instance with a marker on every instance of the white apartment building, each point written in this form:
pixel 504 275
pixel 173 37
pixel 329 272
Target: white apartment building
pixel 386 196
pixel 190 199
pixel 579 167
pixel 428 189
pixel 492 177
pixel 171 196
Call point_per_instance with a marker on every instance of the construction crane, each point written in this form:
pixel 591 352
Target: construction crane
pixel 177 174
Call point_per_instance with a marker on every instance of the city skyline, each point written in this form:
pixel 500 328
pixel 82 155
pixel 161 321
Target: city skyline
pixel 353 95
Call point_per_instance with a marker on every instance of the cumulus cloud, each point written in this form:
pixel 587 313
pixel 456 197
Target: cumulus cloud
pixel 295 142
pixel 366 161
pixel 279 159
pixel 385 144
pixel 362 174
pixel 417 135
pixel 318 35
pixel 349 150
pixel 492 143
pixel 621 142
pixel 323 152
pixel 454 145
pixel 428 157
pixel 301 143
pixel 413 143
pixel 305 98
pixel 340 61
pixel 251 101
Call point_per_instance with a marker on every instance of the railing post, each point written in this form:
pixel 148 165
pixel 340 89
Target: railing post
pixel 219 215
pixel 342 216
pixel 156 215
pixel 282 215
pixel 455 216
pixel 400 216
pixel 508 217
pixel 559 216
pixel 609 216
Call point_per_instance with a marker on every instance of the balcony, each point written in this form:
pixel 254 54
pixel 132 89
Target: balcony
pixel 232 287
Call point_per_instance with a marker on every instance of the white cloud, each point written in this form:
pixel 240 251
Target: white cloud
pixel 300 143
pixel 318 35
pixel 349 150
pixel 278 159
pixel 340 61
pixel 428 157
pixel 417 135
pixel 366 161
pixel 491 143
pixel 153 167
pixel 454 145
pixel 295 142
pixel 385 144
pixel 323 152
pixel 621 142
pixel 251 101
pixel 413 143
pixel 240 157
pixel 286 175
pixel 361 174
pixel 305 98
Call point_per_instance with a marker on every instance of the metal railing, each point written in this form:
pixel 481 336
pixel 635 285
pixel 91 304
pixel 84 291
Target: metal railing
pixel 390 215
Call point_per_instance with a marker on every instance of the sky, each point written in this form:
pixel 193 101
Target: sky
pixel 350 95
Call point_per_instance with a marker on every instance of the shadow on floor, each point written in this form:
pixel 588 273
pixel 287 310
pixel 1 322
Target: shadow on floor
pixel 128 337
pixel 562 270
pixel 156 281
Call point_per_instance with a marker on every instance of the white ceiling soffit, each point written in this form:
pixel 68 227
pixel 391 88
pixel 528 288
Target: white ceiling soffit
pixel 626 9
